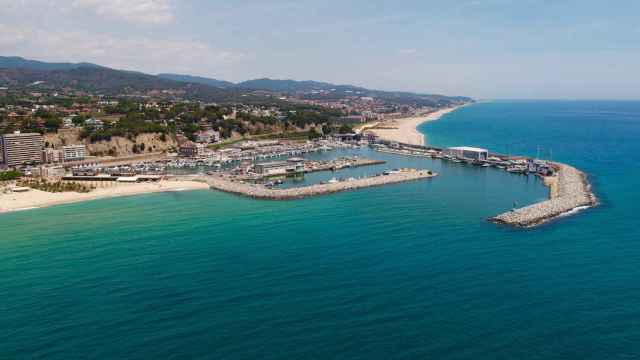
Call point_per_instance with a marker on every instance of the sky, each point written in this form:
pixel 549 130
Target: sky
pixel 486 49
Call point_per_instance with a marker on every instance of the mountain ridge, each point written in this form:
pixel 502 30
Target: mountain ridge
pixel 18 71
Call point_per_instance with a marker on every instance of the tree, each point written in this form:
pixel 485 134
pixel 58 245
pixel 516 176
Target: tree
pixel 314 134
pixel 10 175
pixel 345 129
pixel 78 120
pixel 52 124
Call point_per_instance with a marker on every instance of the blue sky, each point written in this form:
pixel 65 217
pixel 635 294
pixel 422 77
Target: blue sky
pixel 479 48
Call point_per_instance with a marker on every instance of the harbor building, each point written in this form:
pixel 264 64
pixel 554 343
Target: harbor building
pixel 275 168
pixel 19 149
pixel 73 152
pixel 466 152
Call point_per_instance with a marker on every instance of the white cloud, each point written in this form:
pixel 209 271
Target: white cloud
pixel 141 54
pixel 134 11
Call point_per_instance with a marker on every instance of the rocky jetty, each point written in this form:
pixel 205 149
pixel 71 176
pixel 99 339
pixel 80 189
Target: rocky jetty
pixel 569 191
pixel 259 191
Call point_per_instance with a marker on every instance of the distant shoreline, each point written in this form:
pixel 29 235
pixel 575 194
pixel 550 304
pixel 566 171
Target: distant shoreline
pixel 405 130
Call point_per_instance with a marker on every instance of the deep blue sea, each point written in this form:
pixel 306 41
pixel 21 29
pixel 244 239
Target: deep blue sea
pixel 406 271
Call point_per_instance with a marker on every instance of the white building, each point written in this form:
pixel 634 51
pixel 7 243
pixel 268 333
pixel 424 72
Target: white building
pixel 466 152
pixel 291 166
pixel 67 122
pixel 208 137
pixel 50 156
pixel 94 123
pixel 73 152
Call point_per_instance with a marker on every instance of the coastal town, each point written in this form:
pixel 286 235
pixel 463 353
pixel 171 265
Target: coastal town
pixel 64 147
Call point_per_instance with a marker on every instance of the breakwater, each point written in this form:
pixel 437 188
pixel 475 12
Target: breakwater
pixel 569 189
pixel 259 191
pixel 568 192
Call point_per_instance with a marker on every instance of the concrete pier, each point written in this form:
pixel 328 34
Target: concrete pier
pixel 568 192
pixel 259 191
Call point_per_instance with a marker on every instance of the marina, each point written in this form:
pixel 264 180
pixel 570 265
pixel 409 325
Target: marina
pixel 569 188
pixel 278 169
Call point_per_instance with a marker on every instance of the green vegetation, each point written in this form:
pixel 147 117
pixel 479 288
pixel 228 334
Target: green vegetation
pixel 226 143
pixel 54 187
pixel 345 129
pixel 287 135
pixel 10 175
pixel 130 126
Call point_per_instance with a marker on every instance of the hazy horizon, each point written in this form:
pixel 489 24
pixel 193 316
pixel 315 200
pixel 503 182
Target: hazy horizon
pixel 485 49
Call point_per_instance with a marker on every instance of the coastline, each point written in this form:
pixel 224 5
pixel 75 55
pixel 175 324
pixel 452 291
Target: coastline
pixel 405 130
pixel 35 199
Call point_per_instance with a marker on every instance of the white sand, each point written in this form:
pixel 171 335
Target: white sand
pixel 405 130
pixel 37 199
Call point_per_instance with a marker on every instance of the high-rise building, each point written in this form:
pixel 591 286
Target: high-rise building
pixel 73 152
pixel 50 156
pixel 19 149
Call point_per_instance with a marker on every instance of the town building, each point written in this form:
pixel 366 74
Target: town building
pixel 188 149
pixel 201 149
pixel 94 123
pixel 51 156
pixel 74 152
pixel 208 137
pixel 52 171
pixel 466 152
pixel 19 149
pixel 275 168
pixel 67 122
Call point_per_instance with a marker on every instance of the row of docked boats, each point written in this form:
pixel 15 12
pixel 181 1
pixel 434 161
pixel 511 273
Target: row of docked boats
pixel 513 166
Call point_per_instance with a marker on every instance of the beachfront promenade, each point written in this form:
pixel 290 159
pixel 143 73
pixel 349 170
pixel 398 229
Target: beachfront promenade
pixel 568 191
pixel 258 191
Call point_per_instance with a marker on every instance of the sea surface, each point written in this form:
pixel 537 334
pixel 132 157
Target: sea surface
pixel 405 271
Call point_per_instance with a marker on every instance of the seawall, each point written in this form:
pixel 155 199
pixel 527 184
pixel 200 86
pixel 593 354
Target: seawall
pixel 258 191
pixel 570 192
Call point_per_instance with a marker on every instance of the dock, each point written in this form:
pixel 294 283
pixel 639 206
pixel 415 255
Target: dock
pixel 569 191
pixel 259 191
pixel 338 164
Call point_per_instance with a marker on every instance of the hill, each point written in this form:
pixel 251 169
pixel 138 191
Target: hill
pixel 16 62
pixel 20 72
pixel 289 86
pixel 198 80
pixel 106 81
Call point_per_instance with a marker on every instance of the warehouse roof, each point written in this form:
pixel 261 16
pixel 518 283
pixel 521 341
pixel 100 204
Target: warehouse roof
pixel 468 148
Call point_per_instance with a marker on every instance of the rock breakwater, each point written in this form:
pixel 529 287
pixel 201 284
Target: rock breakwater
pixel 569 191
pixel 259 191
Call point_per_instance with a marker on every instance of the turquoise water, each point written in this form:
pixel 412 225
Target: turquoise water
pixel 403 271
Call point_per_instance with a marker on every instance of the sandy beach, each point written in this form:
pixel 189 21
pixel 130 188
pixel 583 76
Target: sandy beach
pixel 38 199
pixel 405 130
